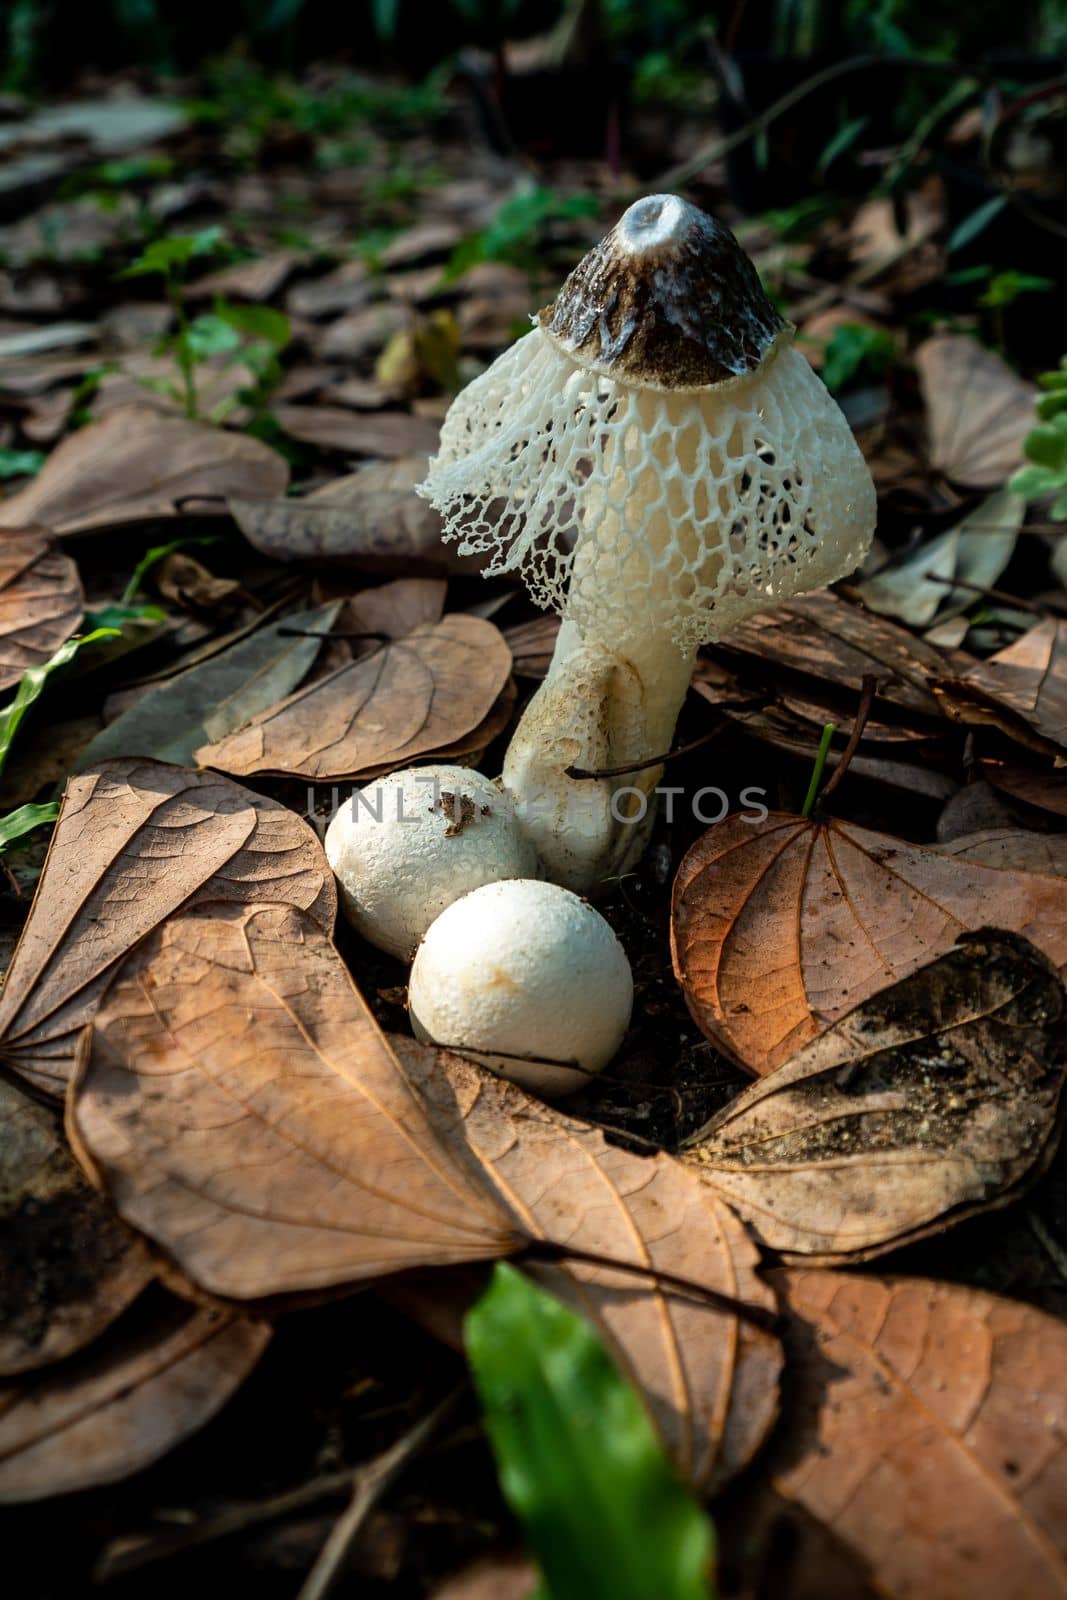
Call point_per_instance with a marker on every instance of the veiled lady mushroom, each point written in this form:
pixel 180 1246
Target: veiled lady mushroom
pixel 657 462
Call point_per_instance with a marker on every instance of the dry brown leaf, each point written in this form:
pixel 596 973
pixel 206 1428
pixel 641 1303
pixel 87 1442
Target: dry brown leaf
pixel 1021 690
pixel 396 608
pixel 978 411
pixel 780 927
pixel 411 697
pixel 386 434
pixel 821 636
pixel 1013 847
pixel 532 645
pixel 1045 790
pixel 41 601
pixel 68 1266
pixel 925 1432
pixel 241 1106
pixel 135 841
pixel 372 520
pixel 936 1098
pixel 138 463
pixel 259 279
pixel 709 1377
pixel 124 1403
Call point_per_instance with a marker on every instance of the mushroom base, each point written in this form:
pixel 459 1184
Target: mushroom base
pixel 593 712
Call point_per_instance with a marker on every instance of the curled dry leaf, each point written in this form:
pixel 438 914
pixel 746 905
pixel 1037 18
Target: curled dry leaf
pixel 780 927
pixel 372 520
pixel 41 602
pixel 936 1098
pixel 138 463
pixel 125 1402
pixel 411 697
pixel 241 1106
pixel 135 841
pixel 68 1266
pixel 978 411
pixel 925 1433
pixel 1022 689
pixel 821 636
pixel 709 1377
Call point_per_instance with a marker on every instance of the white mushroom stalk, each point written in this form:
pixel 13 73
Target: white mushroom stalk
pixel 657 462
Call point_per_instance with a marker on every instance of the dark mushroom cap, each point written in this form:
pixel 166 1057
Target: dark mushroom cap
pixel 667 300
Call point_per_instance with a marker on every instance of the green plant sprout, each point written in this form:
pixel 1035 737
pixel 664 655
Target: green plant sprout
pixel 253 335
pixel 1045 447
pixel 579 1461
pixel 514 231
pixel 854 350
pixel 20 463
pixel 1000 290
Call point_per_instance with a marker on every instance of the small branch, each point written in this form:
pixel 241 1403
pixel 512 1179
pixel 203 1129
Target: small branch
pixel 650 761
pixel 373 1483
pixel 561 1254
pixel 1000 595
pixel 863 712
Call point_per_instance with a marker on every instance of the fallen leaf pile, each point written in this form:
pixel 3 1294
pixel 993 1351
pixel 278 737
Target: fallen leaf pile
pixel 849 1033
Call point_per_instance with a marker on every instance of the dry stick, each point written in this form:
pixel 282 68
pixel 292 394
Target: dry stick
pixel 863 712
pixel 235 1519
pixel 372 1484
pixel 561 1254
pixel 650 761
pixel 987 594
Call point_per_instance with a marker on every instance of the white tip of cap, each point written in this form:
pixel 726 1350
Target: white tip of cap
pixel 655 221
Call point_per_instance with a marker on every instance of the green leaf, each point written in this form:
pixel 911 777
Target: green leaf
pixel 1047 444
pixel 209 335
pixel 853 346
pixel 974 224
pixel 256 322
pixel 20 463
pixel 579 1461
pixel 32 684
pixel 1050 405
pixel 1058 509
pixel 843 140
pixel 163 255
pixel 1033 482
pixel 22 821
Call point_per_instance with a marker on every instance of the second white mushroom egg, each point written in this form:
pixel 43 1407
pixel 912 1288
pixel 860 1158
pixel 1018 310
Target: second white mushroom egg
pixel 526 977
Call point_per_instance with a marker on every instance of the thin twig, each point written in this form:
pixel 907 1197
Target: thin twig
pixel 650 761
pixel 999 595
pixel 863 712
pixel 235 1519
pixel 561 1254
pixel 372 1484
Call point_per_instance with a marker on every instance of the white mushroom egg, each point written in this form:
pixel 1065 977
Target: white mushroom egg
pixel 527 978
pixel 405 846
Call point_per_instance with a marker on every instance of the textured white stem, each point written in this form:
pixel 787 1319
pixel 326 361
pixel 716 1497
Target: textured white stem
pixel 596 709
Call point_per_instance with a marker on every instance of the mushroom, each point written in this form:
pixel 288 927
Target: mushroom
pixel 404 847
pixel 527 978
pixel 657 461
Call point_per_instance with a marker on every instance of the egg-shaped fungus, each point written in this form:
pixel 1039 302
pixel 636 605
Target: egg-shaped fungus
pixel 404 847
pixel 526 978
pixel 656 461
